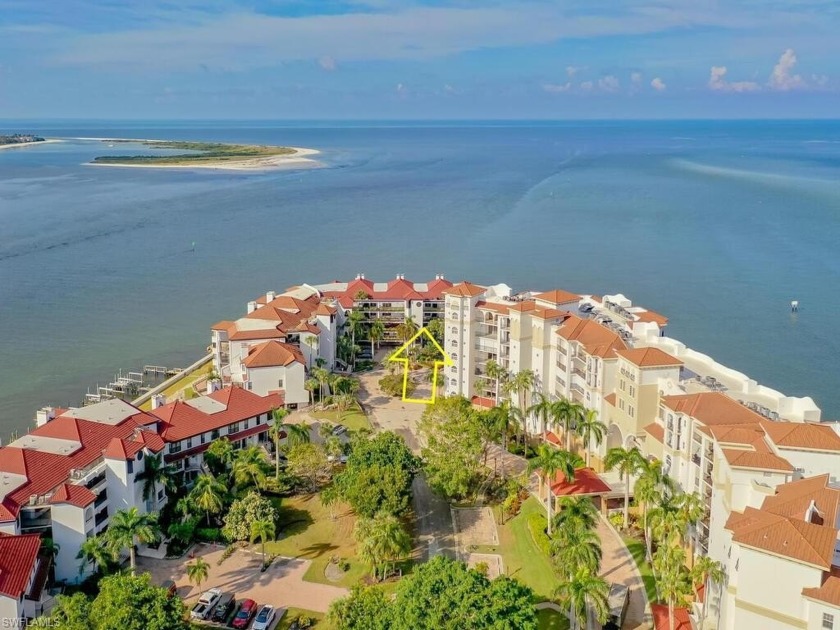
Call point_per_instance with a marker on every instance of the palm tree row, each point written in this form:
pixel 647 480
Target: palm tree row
pixel 383 541
pixel 126 529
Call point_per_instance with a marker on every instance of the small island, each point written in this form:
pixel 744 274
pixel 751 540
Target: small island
pixel 214 155
pixel 18 139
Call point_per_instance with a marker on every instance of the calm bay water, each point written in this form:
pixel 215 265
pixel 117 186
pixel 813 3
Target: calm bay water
pixel 717 225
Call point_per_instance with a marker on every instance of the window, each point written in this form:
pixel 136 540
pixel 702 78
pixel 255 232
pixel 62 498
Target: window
pixel 280 383
pixel 453 382
pixel 130 463
pixel 630 410
pixel 203 438
pixel 454 330
pixel 247 423
pixel 175 447
pixel 632 391
pixel 828 621
pixel 214 435
pixel 234 428
pixel 454 356
pixel 189 443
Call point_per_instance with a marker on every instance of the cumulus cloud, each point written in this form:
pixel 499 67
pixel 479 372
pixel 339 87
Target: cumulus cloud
pixel 658 84
pixel 557 88
pixel 586 86
pixel 782 78
pixel 571 71
pixel 327 63
pixel 718 82
pixel 609 83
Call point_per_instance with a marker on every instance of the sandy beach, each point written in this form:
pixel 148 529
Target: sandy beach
pixel 21 145
pixel 299 159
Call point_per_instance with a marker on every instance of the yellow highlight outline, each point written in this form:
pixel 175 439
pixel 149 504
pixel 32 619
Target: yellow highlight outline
pixel 447 360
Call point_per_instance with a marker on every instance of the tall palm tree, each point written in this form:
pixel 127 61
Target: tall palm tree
pixel 375 334
pixel 692 509
pixel 343 403
pixel 542 409
pixel 520 384
pixel 519 419
pixel 198 571
pixel 382 541
pixel 499 375
pixel 673 580
pixel 575 513
pixel 651 487
pixel 263 530
pixel 208 495
pixel 49 547
pixel 582 592
pixel 155 472
pixel 549 461
pixel 355 321
pixel 275 432
pixel 590 429
pixel 249 466
pixel 129 527
pixel 322 376
pixel 329 497
pixel 313 342
pixel 96 551
pixel 310 385
pixel 628 462
pixel 497 422
pixel 222 451
pixel 577 547
pixel 705 572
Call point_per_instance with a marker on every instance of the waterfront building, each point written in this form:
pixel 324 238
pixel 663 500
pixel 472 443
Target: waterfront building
pixel 23 575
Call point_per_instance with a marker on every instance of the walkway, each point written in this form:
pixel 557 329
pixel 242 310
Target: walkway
pixel 617 566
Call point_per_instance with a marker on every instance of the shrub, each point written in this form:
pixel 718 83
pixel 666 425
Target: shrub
pixel 252 507
pixel 183 532
pixel 392 384
pixel 304 622
pixel 616 520
pixel 537 525
pixel 344 564
pixel 208 534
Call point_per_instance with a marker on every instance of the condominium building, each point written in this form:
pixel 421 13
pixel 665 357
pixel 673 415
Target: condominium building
pixel 68 476
pixel 23 574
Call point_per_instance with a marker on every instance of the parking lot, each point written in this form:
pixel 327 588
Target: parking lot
pixel 281 585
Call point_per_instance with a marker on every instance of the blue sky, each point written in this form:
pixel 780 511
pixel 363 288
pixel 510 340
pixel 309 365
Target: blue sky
pixel 464 59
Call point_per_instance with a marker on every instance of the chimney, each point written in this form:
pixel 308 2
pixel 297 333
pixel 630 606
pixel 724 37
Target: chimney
pixel 158 400
pixel 269 296
pixel 212 386
pixel 359 276
pixel 252 306
pixel 44 415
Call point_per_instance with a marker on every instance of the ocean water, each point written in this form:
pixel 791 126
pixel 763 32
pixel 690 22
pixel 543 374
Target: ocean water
pixel 717 225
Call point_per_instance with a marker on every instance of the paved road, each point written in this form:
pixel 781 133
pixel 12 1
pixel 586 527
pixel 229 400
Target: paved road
pixel 435 535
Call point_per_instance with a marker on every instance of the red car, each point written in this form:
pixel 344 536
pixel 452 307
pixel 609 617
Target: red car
pixel 245 613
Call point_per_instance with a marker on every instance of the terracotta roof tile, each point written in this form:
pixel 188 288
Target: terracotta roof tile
pixel 650 316
pixel 596 339
pixel 793 499
pixel 74 495
pixel 481 401
pixel 586 482
pixel 712 408
pixel 661 620
pixel 656 431
pixel 504 309
pixel 828 592
pixel 464 289
pixel 18 558
pixel 802 435
pixel 755 460
pixel 525 306
pixel 610 399
pixel 273 354
pixel 557 296
pixel 649 357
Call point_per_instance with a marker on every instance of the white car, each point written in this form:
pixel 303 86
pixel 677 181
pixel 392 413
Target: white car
pixel 264 618
pixel 210 597
pixel 205 604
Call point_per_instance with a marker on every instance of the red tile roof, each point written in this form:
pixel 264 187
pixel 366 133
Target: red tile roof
pixel 182 420
pixel 273 354
pixel 558 296
pixel 481 401
pixel 828 592
pixel 650 316
pixel 802 436
pixel 586 482
pixel 756 460
pixel 18 557
pixel 661 620
pixel 596 339
pixel 712 408
pixel 610 399
pixel 74 495
pixel 493 306
pixel 552 438
pixel 649 357
pixel 656 431
pixel 464 289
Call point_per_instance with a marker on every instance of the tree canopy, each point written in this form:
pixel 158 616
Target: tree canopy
pixel 442 594
pixel 245 511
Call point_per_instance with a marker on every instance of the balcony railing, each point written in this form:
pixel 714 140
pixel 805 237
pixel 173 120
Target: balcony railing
pixel 579 372
pixel 97 466
pixel 561 366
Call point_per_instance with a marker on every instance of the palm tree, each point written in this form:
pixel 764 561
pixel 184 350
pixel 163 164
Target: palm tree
pixel 96 551
pixel 129 527
pixel 582 592
pixel 333 447
pixel 249 466
pixel 311 385
pixel 312 342
pixel 222 451
pixel 519 384
pixel 496 423
pixel 263 530
pixel 589 428
pixel 275 432
pixel 382 541
pixel 549 461
pixel 343 403
pixel 155 472
pixel 329 497
pixel 354 322
pixel 375 333
pixel 652 486
pixel 577 547
pixel 542 409
pixel 704 572
pixel 49 547
pixel 498 374
pixel 575 513
pixel 692 509
pixel 628 461
pixel 322 376
pixel 208 495
pixel 198 571
pixel 673 580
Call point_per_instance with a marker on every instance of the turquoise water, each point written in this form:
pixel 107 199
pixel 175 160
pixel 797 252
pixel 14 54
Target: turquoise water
pixel 717 225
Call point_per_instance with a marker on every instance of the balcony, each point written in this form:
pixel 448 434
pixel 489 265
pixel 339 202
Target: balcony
pixel 579 372
pixel 560 382
pixel 83 474
pixel 696 459
pixel 101 517
pixel 561 366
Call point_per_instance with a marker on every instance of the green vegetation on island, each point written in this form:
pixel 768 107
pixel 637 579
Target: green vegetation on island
pixel 201 153
pixel 20 138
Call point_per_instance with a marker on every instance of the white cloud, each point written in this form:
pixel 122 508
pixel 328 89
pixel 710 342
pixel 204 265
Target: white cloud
pixel 782 77
pixel 571 71
pixel 658 85
pixel 555 88
pixel 586 86
pixel 718 82
pixel 400 89
pixel 327 63
pixel 636 77
pixel 609 83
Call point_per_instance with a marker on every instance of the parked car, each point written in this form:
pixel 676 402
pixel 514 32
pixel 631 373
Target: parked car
pixel 245 613
pixel 204 607
pixel 224 607
pixel 264 618
pixel 618 601
pixel 171 588
pixel 339 429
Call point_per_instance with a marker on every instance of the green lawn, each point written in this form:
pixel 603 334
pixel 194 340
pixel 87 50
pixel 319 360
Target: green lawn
pixel 354 419
pixel 637 550
pixel 185 382
pixel 548 619
pixel 292 614
pixel 306 530
pixel 523 560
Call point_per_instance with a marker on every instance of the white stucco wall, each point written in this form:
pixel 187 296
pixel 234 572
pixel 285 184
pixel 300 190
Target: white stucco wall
pixel 69 526
pixel 267 379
